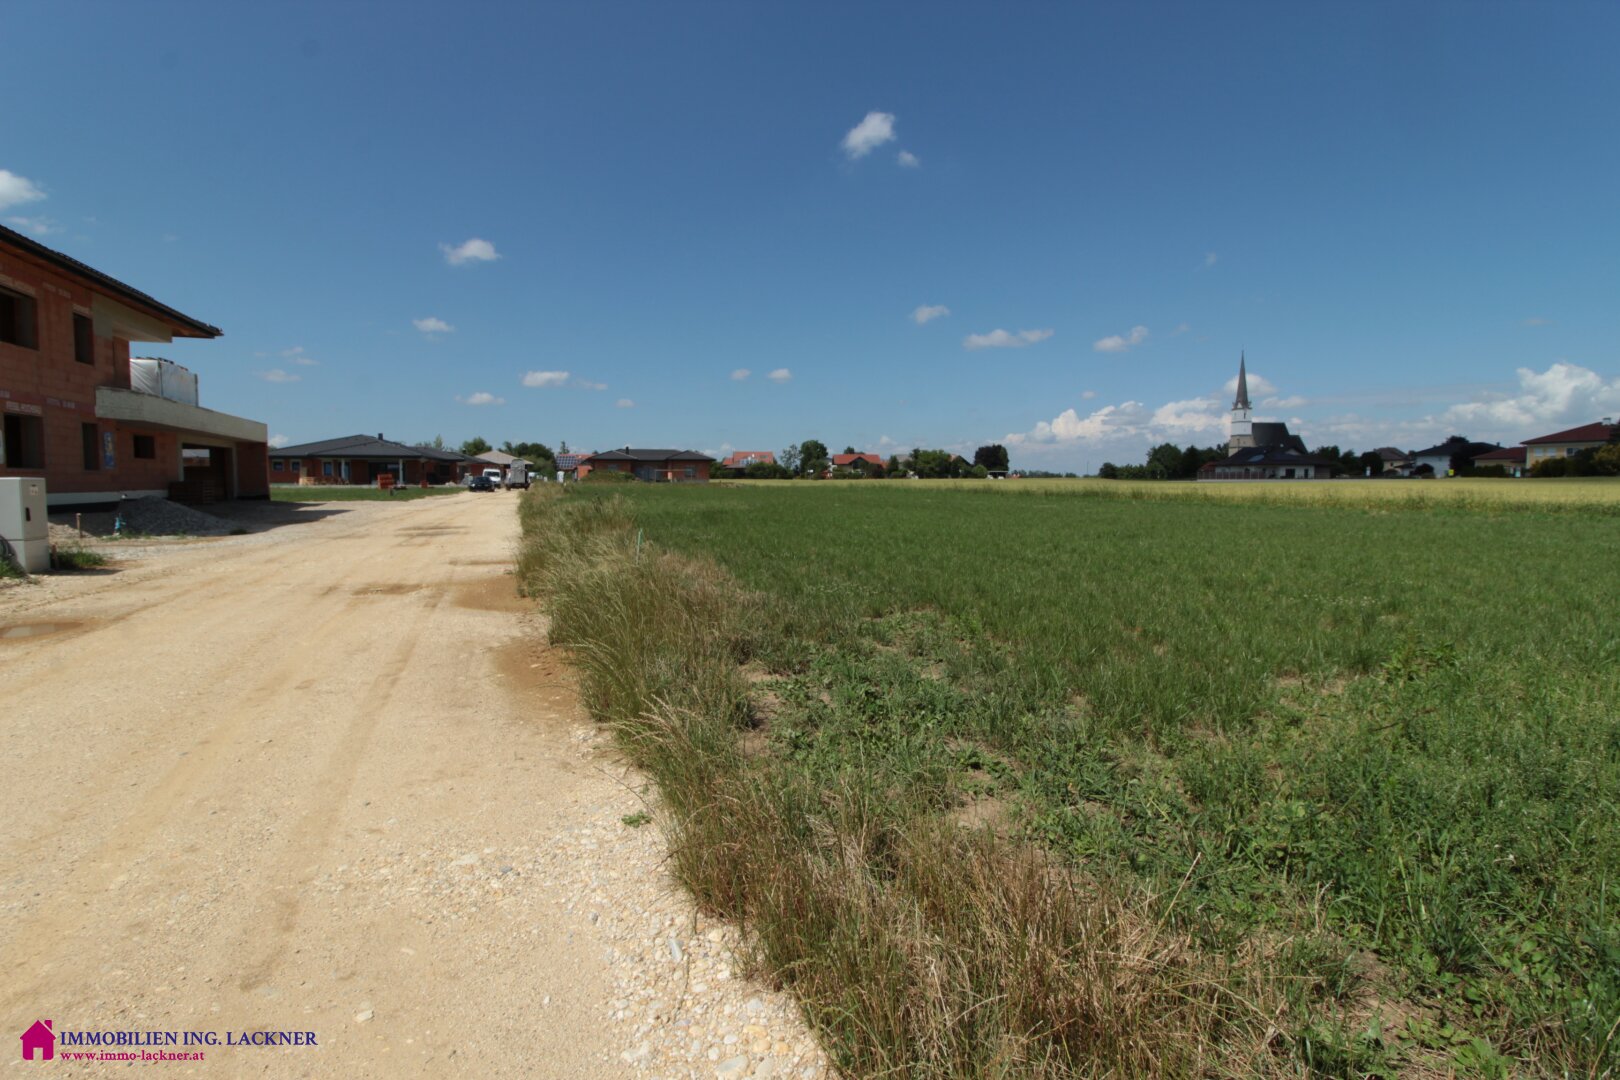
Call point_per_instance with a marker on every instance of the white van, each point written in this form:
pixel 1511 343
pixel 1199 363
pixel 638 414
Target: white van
pixel 517 475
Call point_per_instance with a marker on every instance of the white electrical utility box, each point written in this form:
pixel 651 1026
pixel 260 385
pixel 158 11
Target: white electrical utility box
pixel 24 528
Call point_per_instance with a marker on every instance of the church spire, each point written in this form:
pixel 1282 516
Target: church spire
pixel 1242 399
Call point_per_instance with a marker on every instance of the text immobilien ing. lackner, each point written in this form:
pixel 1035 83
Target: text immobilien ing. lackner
pixel 93 423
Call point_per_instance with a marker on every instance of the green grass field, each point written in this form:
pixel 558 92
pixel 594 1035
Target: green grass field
pixel 338 493
pixel 1358 742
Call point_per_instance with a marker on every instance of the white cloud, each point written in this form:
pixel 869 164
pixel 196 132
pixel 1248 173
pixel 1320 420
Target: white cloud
pixel 1179 330
pixel 1562 396
pixel 1088 395
pixel 740 374
pixel 780 375
pixel 1069 426
pixel 1004 339
pixel 624 403
pixel 469 251
pixel 433 325
pixel 277 375
pixel 39 226
pixel 1210 259
pixel 481 397
pixel 542 379
pixel 1293 401
pixel 1176 418
pixel 296 355
pixel 908 160
pixel 1121 342
pixel 16 190
pixel 1534 320
pixel 928 313
pixel 276 442
pixel 872 132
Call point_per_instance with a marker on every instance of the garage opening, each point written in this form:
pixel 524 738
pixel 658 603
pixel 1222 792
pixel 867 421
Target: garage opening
pixel 207 475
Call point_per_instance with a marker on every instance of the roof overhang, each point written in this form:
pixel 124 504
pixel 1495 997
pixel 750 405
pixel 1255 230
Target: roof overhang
pixel 149 410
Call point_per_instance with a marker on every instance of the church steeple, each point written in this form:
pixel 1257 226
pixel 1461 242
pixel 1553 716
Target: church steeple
pixel 1241 427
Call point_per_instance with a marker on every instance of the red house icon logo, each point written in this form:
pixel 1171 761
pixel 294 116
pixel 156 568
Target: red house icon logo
pixel 39 1039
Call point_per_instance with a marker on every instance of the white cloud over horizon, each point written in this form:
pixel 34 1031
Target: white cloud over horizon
pixel 740 374
pixel 1563 395
pixel 276 442
pixel 1118 343
pixel 624 403
pixel 16 190
pixel 297 355
pixel 469 251
pixel 780 375
pixel 875 129
pixel 1005 339
pixel 481 397
pixel 927 313
pixel 908 160
pixel 277 375
pixel 432 324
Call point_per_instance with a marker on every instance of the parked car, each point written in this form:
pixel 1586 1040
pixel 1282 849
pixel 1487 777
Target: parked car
pixel 481 482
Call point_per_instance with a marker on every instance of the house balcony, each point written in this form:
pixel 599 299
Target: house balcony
pixel 165 414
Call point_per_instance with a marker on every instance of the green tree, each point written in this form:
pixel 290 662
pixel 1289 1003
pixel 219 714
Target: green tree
pixel 1108 471
pixel 1370 463
pixel 992 457
pixel 813 457
pixel 475 446
pixel 789 458
pixel 1164 462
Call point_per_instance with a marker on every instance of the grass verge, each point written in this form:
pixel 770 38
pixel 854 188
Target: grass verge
pixel 918 947
pixel 76 558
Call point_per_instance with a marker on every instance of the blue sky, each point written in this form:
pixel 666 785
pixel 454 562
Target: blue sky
pixel 1405 214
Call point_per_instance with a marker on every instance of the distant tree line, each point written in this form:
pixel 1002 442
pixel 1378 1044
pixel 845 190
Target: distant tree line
pixel 811 460
pixel 537 454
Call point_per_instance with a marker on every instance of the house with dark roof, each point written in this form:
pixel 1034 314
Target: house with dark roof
pixel 1262 450
pixel 1510 459
pixel 1569 442
pixel 653 466
pixel 79 413
pixel 362 459
pixel 1442 459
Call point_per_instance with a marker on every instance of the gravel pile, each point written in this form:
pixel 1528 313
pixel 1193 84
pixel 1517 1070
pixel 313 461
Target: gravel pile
pixel 160 517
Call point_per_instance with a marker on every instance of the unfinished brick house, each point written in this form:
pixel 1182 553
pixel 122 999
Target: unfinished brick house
pixel 78 412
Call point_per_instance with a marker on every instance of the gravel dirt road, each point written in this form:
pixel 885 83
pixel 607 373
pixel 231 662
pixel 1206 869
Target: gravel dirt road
pixel 326 779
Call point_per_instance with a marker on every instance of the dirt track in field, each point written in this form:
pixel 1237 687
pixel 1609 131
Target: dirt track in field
pixel 302 781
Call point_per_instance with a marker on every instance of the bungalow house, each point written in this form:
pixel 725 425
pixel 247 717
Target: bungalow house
pixel 654 466
pixel 858 462
pixel 1437 460
pixel 500 459
pixel 77 412
pixel 1569 442
pixel 1510 459
pixel 737 462
pixel 361 459
pixel 571 466
pixel 1397 462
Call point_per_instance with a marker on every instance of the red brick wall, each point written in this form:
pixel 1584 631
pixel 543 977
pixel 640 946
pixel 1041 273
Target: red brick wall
pixel 50 382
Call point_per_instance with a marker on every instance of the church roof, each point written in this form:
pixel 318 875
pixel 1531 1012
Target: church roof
pixel 1271 455
pixel 1276 435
